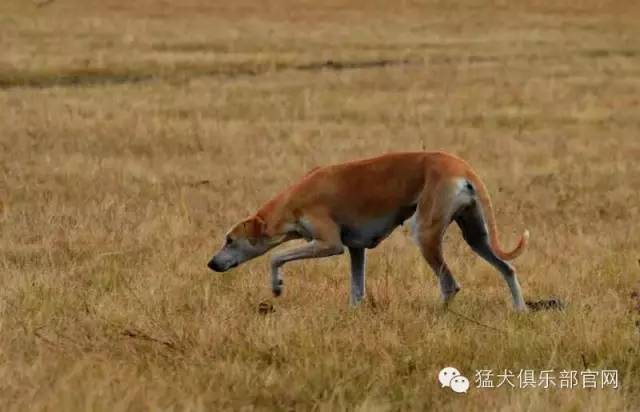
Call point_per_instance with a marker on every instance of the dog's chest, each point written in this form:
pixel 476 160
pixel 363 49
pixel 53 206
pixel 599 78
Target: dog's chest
pixel 371 233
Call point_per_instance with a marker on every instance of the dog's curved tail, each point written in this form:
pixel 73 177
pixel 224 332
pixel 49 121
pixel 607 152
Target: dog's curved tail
pixel 487 207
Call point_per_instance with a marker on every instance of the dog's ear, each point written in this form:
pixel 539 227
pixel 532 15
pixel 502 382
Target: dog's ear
pixel 256 227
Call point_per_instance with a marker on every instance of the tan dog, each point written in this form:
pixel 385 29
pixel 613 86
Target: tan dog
pixel 358 204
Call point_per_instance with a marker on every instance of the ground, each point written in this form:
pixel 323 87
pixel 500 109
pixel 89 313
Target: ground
pixel 134 134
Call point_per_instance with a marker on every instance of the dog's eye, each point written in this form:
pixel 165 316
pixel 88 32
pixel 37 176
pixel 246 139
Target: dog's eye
pixel 228 240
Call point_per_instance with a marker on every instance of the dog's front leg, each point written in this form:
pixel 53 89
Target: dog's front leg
pixel 357 275
pixel 276 280
pixel 315 249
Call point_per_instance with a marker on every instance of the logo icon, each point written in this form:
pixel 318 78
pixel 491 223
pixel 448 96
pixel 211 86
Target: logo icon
pixel 446 374
pixel 459 384
pixel 452 378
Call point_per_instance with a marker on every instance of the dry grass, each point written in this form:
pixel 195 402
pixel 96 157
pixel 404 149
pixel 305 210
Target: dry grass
pixel 113 115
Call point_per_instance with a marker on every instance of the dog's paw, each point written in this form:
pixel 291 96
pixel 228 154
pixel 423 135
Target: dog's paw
pixel 277 288
pixel 447 297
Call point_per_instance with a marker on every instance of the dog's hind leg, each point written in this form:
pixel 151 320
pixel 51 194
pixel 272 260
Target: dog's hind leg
pixel 432 219
pixel 430 244
pixel 474 230
pixel 357 256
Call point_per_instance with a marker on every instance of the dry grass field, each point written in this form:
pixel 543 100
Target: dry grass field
pixel 134 134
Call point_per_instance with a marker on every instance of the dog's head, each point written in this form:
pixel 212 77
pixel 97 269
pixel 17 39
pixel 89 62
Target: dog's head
pixel 245 241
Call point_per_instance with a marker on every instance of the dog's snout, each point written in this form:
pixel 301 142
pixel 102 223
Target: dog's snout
pixel 215 266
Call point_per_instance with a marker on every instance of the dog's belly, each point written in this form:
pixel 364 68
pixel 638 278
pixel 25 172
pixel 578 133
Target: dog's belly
pixel 374 231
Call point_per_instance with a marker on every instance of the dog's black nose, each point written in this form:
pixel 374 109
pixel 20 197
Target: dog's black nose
pixel 213 265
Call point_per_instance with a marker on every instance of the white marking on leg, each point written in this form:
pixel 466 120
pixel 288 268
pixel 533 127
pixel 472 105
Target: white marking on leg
pixel 413 227
pixel 516 291
pixel 276 280
pixel 315 249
